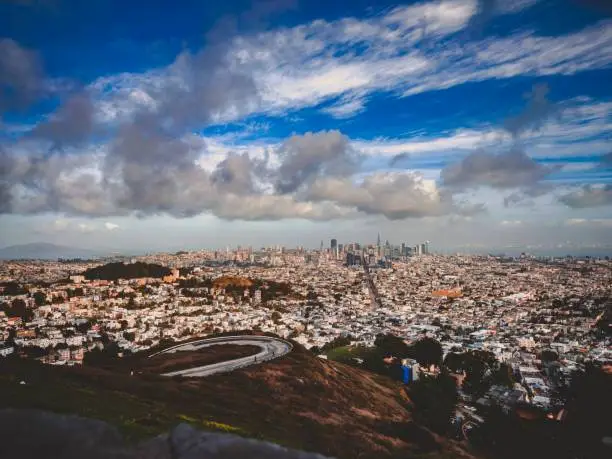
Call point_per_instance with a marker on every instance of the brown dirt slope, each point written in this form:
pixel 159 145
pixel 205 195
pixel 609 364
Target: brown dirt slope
pixel 224 281
pixel 298 401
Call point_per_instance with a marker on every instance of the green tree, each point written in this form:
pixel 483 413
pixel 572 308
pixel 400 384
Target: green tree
pixel 40 298
pixel 392 345
pixel 435 399
pixel 18 308
pixel 548 355
pixel 102 357
pixel 454 362
pixel 504 376
pixel 340 341
pixel 479 367
pixel 130 336
pixel 13 288
pixel 427 351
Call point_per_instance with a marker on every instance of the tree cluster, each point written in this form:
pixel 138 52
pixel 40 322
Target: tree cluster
pixel 435 399
pixel 482 370
pixel 580 435
pixel 17 308
pixel 13 288
pixel 115 271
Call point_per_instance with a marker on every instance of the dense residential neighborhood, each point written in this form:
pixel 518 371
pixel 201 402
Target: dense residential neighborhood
pixel 543 318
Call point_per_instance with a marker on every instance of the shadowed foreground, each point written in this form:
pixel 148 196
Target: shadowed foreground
pixel 32 434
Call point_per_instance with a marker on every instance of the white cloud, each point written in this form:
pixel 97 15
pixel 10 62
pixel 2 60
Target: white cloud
pixel 346 108
pixel 596 222
pixel 85 228
pixel 513 6
pixel 402 52
pixel 60 225
pixel 111 226
pixel 407 50
pixel 461 139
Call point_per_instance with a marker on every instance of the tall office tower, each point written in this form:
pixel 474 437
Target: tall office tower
pixel 403 249
pixel 423 249
pixel 334 248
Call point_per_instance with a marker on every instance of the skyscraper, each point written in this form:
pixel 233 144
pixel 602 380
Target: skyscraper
pixel 334 248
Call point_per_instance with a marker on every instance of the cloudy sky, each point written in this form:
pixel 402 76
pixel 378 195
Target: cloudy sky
pixel 140 126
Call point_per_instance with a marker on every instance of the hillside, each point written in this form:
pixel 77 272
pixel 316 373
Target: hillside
pixel 224 281
pixel 114 271
pixel 299 401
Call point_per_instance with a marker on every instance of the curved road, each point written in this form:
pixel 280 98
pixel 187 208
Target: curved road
pixel 271 348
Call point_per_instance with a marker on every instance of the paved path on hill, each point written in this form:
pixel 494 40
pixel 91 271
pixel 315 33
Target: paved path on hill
pixel 271 348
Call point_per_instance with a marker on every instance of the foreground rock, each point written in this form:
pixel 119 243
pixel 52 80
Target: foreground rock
pixel 38 434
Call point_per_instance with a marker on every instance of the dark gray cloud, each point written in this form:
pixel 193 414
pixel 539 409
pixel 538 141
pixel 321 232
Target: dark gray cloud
pixel 305 157
pixel 588 196
pixel 147 171
pixel 538 110
pixel 150 171
pixel 393 195
pixel 151 168
pixel 71 125
pixel 525 196
pixel 200 87
pixel 6 169
pixel 206 85
pixel 237 174
pixel 21 76
pixel 150 164
pixel 398 159
pixel 51 183
pixel 512 169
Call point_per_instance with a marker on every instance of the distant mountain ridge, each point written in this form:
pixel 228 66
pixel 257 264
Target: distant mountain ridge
pixel 44 251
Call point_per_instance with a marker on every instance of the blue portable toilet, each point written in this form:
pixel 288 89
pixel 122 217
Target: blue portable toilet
pixel 406 374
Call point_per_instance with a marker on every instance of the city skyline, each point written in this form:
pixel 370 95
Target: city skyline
pixel 479 125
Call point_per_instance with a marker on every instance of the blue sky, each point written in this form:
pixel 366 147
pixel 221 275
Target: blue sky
pixel 142 126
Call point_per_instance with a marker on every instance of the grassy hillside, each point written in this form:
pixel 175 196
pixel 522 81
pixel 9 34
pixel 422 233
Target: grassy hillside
pixel 298 401
pixel 224 281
